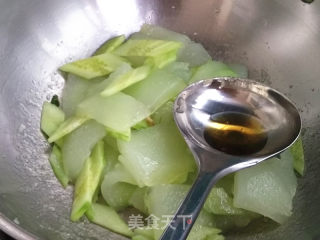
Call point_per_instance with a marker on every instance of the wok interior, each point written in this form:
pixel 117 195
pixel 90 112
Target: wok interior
pixel 278 40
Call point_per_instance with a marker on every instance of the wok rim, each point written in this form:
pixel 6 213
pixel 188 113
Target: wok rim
pixel 14 230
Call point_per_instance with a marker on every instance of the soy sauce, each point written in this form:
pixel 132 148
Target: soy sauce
pixel 235 133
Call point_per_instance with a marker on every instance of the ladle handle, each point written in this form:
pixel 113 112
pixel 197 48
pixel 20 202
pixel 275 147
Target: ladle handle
pixel 189 210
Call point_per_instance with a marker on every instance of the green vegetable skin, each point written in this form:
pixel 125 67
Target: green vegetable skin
pixel 116 140
pixel 298 156
pixel 87 182
pixel 110 45
pixel 109 218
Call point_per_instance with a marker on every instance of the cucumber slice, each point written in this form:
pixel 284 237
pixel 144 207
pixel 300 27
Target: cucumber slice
pixel 126 80
pixel 118 112
pixel 55 160
pixel 88 181
pixel 157 155
pixel 51 118
pixel 111 153
pixel 97 88
pixel 200 232
pixel 141 237
pixel 117 187
pixel 164 200
pixel 147 48
pixel 147 232
pixel 110 45
pixel 267 188
pixel 298 156
pixel 190 52
pixel 232 222
pixel 67 127
pixel 211 69
pixel 97 66
pixel 156 89
pixel 214 236
pixel 179 69
pixel 137 199
pixel 194 54
pixel 219 202
pixel 108 218
pixel 239 69
pixel 74 92
pixel 162 60
pixel 156 32
pixel 164 115
pixel 77 146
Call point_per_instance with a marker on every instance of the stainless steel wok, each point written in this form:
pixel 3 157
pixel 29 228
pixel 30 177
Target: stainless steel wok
pixel 279 40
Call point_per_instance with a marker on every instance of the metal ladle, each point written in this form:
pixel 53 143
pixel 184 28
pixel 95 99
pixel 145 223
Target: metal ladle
pixel 197 107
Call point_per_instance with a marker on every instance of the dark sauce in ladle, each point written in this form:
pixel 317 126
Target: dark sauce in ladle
pixel 235 133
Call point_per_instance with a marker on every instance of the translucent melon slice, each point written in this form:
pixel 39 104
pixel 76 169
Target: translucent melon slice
pixel 267 188
pixel 118 112
pixel 159 87
pixel 157 155
pixel 164 200
pixel 78 145
pixel 117 187
pixel 211 69
pixel 74 91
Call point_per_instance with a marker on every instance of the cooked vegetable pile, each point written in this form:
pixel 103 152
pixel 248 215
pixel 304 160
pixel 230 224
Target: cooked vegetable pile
pixel 115 140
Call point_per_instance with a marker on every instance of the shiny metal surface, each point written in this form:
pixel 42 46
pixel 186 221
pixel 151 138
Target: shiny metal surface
pixel 193 109
pixel 279 40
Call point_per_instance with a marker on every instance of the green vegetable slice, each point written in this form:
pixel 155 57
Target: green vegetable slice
pixel 200 232
pixel 211 69
pixel 140 237
pixel 194 54
pixel 147 48
pixel 219 202
pixel 55 160
pixel 159 87
pixel 107 217
pixel 78 145
pixel 111 153
pixel 97 66
pixel 66 127
pixel 157 155
pixel 267 188
pixel 298 156
pixel 110 45
pixel 98 87
pixel 126 80
pixel 156 32
pixel 117 187
pixel 51 118
pixel 145 231
pixel 74 92
pixel 162 60
pixel 118 112
pixel 179 69
pixel 232 222
pixel 88 182
pixel 165 199
pixel 137 199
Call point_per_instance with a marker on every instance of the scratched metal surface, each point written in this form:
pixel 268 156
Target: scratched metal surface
pixel 279 40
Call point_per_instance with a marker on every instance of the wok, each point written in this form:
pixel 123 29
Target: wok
pixel 279 40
